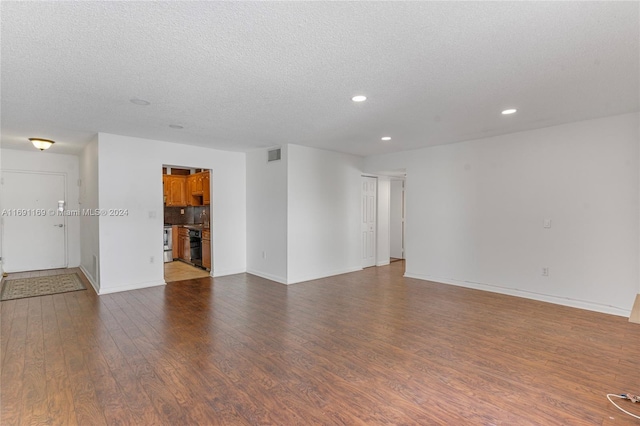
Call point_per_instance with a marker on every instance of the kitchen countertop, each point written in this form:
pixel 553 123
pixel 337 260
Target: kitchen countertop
pixel 195 226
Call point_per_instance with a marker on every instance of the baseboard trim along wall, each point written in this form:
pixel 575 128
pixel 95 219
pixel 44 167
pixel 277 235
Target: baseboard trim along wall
pixel 635 312
pixel 91 279
pixel 225 272
pixel 324 275
pixel 270 277
pixel 128 287
pixel 581 304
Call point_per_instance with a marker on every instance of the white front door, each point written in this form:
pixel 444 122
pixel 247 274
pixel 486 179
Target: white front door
pixel 34 234
pixel 368 223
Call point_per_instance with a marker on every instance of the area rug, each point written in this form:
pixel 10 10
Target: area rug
pixel 40 286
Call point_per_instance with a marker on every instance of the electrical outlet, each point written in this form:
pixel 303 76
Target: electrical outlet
pixel 181 211
pixel 151 259
pixel 264 254
pixel 545 272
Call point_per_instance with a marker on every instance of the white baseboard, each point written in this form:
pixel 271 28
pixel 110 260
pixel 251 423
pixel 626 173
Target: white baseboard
pixel 271 277
pixel 225 272
pixel 565 301
pixel 129 287
pixel 324 275
pixel 383 263
pixel 91 279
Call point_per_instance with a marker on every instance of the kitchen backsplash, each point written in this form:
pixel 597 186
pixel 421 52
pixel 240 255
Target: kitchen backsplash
pixel 193 214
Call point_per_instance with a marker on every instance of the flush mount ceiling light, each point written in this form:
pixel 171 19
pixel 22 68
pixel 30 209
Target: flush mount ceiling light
pixel 509 111
pixel 139 101
pixel 359 98
pixel 176 126
pixel 386 138
pixel 41 144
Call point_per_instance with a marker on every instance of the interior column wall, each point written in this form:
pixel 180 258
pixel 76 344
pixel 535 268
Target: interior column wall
pixel 323 213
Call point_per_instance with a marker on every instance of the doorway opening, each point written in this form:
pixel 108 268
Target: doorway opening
pixel 368 221
pixel 187 248
pixel 389 219
pixel 397 220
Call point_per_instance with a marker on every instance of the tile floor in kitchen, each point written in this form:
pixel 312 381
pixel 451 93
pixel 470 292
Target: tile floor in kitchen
pixel 178 271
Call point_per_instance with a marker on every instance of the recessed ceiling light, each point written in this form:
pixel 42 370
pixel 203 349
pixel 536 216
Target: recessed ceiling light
pixel 176 126
pixel 509 111
pixel 359 98
pixel 139 101
pixel 386 138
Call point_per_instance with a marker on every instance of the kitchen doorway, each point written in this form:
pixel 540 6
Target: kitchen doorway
pixel 187 228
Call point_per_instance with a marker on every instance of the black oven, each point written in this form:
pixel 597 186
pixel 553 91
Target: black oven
pixel 195 243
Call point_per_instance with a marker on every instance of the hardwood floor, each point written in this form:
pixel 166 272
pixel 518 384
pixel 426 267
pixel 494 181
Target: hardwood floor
pixel 179 271
pixel 369 347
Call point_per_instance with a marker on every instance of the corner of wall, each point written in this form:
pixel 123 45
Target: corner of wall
pixel 635 311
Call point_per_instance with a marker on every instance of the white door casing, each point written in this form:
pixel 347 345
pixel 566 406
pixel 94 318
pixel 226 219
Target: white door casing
pixel 34 235
pixel 368 221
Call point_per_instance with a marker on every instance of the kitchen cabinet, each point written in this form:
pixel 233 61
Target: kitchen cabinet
pixel 165 188
pixel 184 244
pixel 206 249
pixel 194 189
pixel 175 190
pixel 175 241
pixel 206 190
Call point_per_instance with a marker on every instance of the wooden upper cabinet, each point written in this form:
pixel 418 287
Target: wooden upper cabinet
pixel 192 190
pixel 195 192
pixel 198 184
pixel 175 190
pixel 206 191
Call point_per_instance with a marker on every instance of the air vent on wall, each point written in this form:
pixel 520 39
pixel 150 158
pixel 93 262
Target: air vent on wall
pixel 274 154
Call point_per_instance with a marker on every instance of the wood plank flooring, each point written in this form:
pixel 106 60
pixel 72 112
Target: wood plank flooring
pixel 369 347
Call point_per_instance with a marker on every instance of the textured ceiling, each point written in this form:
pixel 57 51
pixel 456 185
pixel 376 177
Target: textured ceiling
pixel 242 75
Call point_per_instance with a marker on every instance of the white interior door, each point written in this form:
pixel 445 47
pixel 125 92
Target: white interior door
pixel 34 234
pixel 368 225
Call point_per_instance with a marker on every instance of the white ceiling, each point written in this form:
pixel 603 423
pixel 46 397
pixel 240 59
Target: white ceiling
pixel 242 75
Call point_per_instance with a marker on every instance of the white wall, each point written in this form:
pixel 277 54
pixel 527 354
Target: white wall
pixel 383 221
pixel 89 225
pixel 396 218
pixel 1 207
pixel 130 177
pixel 37 161
pixel 267 215
pixel 475 213
pixel 323 213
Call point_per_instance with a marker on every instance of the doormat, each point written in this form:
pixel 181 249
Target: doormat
pixel 20 288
